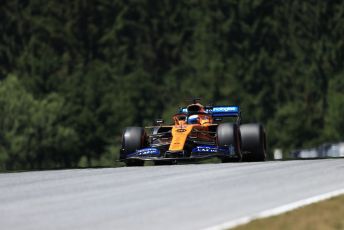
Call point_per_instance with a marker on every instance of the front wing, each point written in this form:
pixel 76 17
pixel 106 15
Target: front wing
pixel 197 153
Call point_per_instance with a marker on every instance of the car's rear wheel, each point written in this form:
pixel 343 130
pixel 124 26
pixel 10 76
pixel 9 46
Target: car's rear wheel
pixel 253 140
pixel 228 135
pixel 133 138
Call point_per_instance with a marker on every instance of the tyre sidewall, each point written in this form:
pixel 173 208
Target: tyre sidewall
pixel 228 134
pixel 253 139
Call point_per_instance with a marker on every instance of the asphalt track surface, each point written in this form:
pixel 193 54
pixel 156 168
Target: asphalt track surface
pixel 159 197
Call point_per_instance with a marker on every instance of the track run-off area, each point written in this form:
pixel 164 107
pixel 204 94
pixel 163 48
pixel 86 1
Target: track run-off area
pixel 193 196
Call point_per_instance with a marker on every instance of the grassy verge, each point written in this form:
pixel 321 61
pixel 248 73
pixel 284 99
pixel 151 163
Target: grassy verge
pixel 325 215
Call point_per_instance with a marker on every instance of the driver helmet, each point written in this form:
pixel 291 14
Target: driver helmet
pixel 193 119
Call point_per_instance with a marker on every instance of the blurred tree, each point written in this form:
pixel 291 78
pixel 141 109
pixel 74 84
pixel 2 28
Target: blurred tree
pixel 31 131
pixel 102 65
pixel 334 120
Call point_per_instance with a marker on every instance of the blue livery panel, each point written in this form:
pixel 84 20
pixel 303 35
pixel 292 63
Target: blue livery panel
pixel 206 149
pixel 146 152
pixel 224 111
pixel 219 111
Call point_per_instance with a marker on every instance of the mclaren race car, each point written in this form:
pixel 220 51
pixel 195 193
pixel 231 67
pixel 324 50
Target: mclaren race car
pixel 198 132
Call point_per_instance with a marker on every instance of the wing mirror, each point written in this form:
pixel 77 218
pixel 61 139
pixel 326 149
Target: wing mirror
pixel 217 119
pixel 159 121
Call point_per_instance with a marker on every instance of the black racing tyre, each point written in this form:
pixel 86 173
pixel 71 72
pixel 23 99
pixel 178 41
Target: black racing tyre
pixel 253 140
pixel 133 138
pixel 228 134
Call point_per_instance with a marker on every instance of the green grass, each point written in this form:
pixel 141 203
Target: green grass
pixel 325 215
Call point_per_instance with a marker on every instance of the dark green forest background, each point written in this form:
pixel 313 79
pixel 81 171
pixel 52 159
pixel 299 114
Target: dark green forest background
pixel 73 74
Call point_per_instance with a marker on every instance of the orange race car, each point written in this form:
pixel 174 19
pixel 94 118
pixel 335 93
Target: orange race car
pixel 198 132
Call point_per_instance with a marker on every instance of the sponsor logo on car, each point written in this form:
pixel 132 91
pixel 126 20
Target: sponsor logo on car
pixel 147 151
pixel 225 109
pixel 214 149
pixel 181 130
pixel 205 149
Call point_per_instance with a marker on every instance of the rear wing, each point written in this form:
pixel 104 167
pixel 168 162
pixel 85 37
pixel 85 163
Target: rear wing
pixel 218 111
pixel 224 111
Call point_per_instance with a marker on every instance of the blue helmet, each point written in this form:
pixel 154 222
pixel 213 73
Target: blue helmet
pixel 193 119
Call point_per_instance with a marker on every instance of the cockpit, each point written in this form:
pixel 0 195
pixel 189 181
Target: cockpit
pixel 201 119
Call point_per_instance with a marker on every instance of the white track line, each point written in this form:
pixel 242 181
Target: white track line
pixel 276 211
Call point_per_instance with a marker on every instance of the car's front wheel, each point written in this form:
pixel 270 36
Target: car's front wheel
pixel 133 138
pixel 228 136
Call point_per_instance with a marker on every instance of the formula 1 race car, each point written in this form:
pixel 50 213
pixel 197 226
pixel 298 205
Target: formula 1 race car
pixel 198 133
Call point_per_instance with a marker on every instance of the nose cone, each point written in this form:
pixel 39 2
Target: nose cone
pixel 179 136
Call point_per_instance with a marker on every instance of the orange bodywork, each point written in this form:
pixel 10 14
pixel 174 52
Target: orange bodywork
pixel 181 130
pixel 179 135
